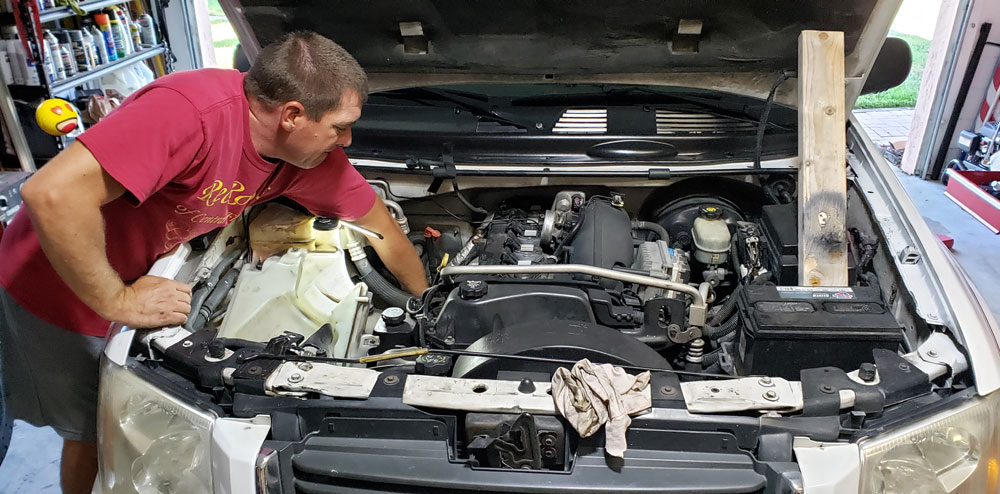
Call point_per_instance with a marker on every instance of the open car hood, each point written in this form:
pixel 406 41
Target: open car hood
pixel 729 45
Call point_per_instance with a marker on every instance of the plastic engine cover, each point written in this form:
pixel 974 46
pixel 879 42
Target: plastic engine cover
pixel 604 239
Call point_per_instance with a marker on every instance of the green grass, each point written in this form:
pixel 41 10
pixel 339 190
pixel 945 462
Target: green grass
pixel 225 43
pixel 905 94
pixel 214 8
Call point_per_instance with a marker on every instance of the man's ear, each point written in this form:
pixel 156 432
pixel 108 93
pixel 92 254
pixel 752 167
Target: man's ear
pixel 291 114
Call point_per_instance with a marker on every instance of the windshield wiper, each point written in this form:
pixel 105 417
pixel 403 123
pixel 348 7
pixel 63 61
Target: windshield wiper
pixel 482 109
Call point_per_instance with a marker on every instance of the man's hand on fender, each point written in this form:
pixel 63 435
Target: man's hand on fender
pixel 150 302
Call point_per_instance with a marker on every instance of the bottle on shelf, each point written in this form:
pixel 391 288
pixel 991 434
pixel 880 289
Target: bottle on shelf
pixel 126 18
pixel 5 70
pixel 90 44
pixel 81 52
pixel 133 28
pixel 23 70
pixel 147 30
pixel 104 24
pixel 119 33
pixel 30 68
pixel 100 44
pixel 53 56
pixel 10 45
pixel 66 52
pixel 48 63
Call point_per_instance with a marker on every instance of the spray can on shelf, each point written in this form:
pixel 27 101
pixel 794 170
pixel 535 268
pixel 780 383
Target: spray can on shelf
pixel 52 55
pixel 81 52
pixel 119 33
pixel 100 46
pixel 121 47
pixel 104 24
pixel 147 30
pixel 66 53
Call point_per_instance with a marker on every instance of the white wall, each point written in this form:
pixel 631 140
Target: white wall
pixel 924 142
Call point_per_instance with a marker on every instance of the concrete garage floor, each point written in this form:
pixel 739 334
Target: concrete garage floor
pixel 32 463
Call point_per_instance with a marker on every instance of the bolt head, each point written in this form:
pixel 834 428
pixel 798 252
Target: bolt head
pixel 866 372
pixel 390 380
pixel 305 366
pixel 294 378
pixel 932 353
pixel 667 390
pixel 826 388
pixel 187 344
pixel 770 396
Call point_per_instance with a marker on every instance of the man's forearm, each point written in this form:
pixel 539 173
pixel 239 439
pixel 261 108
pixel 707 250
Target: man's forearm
pixel 398 254
pixel 394 249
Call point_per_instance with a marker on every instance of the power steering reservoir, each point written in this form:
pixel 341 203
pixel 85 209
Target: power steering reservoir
pixel 711 236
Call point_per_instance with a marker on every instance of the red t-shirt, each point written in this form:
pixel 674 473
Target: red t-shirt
pixel 181 147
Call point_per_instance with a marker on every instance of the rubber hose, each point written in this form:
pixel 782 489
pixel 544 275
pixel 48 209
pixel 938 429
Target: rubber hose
pixel 720 331
pixel 727 308
pixel 197 300
pixel 215 298
pixel 202 293
pixel 653 227
pixel 461 197
pixel 381 286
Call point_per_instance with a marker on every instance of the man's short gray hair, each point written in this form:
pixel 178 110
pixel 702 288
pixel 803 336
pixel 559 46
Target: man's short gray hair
pixel 306 67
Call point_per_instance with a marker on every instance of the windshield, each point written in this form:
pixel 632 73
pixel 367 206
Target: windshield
pixel 569 124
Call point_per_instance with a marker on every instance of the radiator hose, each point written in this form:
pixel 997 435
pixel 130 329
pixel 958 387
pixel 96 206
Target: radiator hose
pixel 653 227
pixel 375 281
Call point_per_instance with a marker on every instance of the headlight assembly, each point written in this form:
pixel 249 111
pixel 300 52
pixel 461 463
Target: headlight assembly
pixel 150 442
pixel 955 451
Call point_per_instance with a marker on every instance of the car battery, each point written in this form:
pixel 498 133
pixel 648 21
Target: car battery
pixel 780 224
pixel 789 328
pixel 10 196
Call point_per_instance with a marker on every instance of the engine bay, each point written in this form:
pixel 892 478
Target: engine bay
pixel 695 282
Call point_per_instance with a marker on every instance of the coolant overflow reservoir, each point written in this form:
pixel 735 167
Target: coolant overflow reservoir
pixel 711 236
pixel 279 228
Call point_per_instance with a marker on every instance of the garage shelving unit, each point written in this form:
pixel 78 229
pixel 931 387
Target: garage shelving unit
pixel 19 101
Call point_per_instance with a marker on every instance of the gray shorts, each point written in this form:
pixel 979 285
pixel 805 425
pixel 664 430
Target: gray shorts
pixel 49 374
